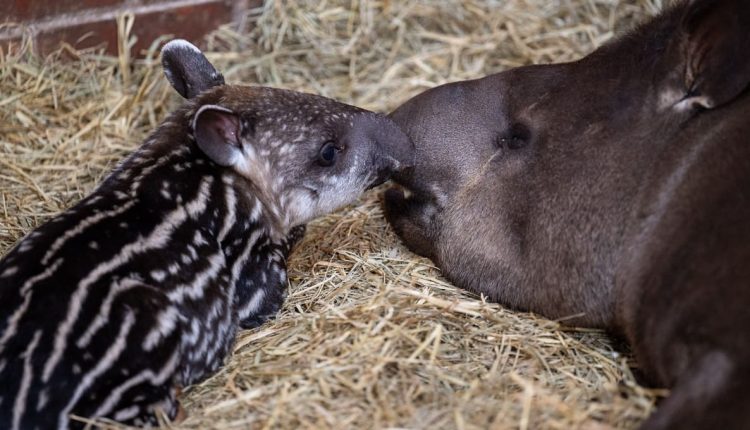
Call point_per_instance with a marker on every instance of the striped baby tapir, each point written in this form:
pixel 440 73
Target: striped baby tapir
pixel 114 305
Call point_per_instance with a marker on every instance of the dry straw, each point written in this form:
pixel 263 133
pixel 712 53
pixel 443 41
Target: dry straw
pixel 371 336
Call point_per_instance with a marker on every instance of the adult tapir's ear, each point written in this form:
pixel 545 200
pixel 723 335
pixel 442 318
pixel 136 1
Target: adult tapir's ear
pixel 187 69
pixel 715 45
pixel 217 133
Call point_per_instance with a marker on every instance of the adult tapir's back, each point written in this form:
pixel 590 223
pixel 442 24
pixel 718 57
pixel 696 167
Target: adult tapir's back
pixel 614 190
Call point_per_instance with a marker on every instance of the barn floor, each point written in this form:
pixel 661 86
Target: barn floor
pixel 371 335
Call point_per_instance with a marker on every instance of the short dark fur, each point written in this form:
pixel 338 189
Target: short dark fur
pixel 112 306
pixel 613 192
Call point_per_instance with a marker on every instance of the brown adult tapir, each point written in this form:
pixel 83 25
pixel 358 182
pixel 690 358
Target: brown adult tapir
pixel 611 192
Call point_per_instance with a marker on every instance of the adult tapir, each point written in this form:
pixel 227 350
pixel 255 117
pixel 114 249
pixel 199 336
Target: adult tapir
pixel 611 192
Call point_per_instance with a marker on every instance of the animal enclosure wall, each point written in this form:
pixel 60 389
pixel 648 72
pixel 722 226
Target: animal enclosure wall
pixel 371 336
pixel 94 23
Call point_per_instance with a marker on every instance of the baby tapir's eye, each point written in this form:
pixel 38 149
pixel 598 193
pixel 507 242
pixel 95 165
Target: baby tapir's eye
pixel 327 154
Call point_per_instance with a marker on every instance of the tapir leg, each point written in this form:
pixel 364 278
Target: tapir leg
pixel 261 289
pixel 709 395
pixel 406 216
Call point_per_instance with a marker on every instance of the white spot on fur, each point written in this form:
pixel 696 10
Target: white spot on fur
pixel 165 324
pixel 192 337
pixel 158 275
pixel 93 200
pixel 196 289
pixel 126 414
pixel 253 305
pixel 42 401
pixel 198 239
pixel 256 211
pixel 10 271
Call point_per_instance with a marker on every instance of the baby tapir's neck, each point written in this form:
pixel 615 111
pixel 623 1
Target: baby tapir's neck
pixel 168 240
pixel 170 173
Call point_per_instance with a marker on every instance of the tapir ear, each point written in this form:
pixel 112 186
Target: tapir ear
pixel 187 69
pixel 217 133
pixel 716 51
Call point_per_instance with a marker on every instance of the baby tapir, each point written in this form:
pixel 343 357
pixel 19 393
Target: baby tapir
pixel 110 307
pixel 610 192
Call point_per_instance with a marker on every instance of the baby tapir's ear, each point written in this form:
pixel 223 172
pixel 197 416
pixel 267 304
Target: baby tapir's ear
pixel 187 69
pixel 715 42
pixel 217 133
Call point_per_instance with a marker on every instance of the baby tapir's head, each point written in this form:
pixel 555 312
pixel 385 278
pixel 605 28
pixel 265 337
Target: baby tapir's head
pixel 306 155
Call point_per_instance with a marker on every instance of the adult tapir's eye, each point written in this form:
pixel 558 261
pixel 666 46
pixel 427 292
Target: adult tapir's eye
pixel 515 142
pixel 327 154
pixel 517 136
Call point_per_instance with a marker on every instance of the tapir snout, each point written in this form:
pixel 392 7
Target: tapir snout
pixel 393 153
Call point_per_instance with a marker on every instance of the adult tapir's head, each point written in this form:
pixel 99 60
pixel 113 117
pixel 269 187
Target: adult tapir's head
pixel 553 131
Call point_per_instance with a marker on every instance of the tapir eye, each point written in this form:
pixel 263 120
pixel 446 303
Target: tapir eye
pixel 514 142
pixel 517 137
pixel 327 154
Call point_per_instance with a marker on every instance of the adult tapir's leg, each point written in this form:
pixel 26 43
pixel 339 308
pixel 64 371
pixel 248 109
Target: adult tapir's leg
pixel 690 330
pixel 411 221
pixel 711 395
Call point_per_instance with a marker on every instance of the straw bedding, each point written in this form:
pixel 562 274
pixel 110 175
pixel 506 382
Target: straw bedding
pixel 371 336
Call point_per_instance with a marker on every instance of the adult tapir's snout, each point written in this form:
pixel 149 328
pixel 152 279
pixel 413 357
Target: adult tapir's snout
pixel 392 151
pixel 454 128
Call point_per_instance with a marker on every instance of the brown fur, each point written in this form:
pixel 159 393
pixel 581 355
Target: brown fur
pixel 611 192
